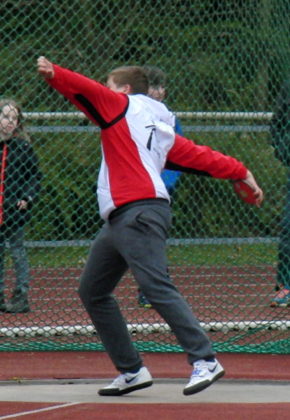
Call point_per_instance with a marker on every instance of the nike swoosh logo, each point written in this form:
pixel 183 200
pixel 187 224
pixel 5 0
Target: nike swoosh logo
pixel 212 370
pixel 130 380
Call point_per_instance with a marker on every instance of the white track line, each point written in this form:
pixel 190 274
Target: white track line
pixel 24 413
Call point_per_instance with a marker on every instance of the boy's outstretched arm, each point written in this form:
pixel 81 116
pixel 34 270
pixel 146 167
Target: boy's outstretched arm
pixel 99 103
pixel 187 156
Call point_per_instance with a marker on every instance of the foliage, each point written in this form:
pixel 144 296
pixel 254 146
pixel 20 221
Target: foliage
pixel 219 56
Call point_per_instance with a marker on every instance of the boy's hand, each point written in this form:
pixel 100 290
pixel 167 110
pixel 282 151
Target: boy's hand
pixel 258 193
pixel 45 68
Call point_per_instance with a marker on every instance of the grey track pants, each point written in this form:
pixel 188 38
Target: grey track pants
pixel 136 238
pixel 15 238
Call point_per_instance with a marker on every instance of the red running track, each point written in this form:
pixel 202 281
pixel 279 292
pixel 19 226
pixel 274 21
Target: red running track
pixel 60 365
pixel 197 411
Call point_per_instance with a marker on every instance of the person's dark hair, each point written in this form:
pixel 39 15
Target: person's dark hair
pixel 155 75
pixel 20 130
pixel 134 76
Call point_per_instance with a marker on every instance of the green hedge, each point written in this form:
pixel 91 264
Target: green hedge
pixel 219 56
pixel 202 207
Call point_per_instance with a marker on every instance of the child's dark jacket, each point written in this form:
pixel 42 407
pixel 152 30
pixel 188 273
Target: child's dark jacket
pixel 21 181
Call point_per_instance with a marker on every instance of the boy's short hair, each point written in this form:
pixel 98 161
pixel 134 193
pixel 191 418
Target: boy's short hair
pixel 135 76
pixel 156 76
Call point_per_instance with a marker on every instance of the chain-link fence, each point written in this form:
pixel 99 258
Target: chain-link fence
pixel 225 62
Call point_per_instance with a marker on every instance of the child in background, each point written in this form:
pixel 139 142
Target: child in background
pixel 157 91
pixel 19 185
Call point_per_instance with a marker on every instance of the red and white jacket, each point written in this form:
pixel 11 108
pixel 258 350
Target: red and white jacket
pixel 138 141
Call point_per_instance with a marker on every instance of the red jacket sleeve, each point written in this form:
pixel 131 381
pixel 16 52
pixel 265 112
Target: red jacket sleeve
pixel 100 104
pixel 186 156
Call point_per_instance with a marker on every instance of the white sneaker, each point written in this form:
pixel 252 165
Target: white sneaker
pixel 128 382
pixel 203 375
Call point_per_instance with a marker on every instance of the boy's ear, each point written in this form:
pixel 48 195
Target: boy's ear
pixel 127 89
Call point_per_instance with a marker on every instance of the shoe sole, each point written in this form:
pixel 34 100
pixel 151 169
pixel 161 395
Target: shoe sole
pixel 202 385
pixel 116 392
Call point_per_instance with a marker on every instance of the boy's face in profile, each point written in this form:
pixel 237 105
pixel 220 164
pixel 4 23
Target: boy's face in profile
pixel 157 92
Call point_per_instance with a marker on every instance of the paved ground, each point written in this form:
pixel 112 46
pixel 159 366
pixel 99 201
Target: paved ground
pixel 163 391
pixel 64 385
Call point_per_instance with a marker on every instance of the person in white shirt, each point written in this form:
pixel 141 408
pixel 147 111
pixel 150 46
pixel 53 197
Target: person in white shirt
pixel 138 141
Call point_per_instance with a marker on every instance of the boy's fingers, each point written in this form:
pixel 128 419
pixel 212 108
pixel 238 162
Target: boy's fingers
pixel 40 60
pixel 45 67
